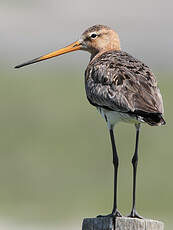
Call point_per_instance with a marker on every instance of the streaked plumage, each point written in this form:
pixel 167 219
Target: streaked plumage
pixel 121 87
pixel 118 82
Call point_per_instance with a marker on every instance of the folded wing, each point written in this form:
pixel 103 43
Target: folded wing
pixel 117 81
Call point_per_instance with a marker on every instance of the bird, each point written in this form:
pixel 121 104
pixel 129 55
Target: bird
pixel 121 87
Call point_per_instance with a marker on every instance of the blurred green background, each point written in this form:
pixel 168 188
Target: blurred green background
pixel 55 154
pixel 56 160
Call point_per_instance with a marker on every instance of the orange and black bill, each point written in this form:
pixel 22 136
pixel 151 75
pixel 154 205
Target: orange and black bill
pixel 74 46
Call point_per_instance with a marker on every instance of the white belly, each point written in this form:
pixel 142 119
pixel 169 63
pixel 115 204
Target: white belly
pixel 113 117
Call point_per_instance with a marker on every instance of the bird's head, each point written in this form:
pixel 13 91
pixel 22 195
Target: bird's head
pixel 96 39
pixel 99 38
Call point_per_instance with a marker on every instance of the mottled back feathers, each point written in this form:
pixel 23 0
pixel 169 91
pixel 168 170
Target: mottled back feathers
pixel 117 81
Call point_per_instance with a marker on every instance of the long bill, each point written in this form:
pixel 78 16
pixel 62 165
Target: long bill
pixel 72 47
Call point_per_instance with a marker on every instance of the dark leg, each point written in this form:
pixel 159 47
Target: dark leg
pixel 115 212
pixel 133 213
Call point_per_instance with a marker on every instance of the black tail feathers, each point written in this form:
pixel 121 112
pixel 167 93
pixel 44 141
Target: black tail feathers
pixel 154 119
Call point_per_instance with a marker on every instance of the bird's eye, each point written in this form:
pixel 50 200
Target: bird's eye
pixel 93 35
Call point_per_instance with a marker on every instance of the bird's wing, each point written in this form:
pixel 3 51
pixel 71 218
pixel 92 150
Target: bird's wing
pixel 117 81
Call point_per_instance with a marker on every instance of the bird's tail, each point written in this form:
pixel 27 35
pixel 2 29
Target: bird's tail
pixel 153 119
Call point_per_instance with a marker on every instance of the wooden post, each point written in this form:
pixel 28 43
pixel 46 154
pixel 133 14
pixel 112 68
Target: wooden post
pixel 121 223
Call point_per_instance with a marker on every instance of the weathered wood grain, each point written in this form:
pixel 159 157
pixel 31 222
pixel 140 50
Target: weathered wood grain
pixel 121 223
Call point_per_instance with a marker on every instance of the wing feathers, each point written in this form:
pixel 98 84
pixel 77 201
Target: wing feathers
pixel 118 81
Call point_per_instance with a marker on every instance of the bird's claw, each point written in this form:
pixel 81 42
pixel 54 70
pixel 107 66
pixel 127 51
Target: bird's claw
pixel 114 214
pixel 134 214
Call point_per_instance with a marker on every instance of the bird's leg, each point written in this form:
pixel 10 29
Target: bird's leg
pixel 115 212
pixel 133 213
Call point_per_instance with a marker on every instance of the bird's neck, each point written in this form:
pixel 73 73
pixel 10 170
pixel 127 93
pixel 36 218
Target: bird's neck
pixel 97 54
pixel 94 55
pixel 114 45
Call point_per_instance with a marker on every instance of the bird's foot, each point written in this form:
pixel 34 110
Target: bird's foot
pixel 114 214
pixel 134 214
